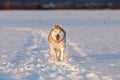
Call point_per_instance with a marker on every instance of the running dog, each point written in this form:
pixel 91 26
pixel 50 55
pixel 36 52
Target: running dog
pixel 57 43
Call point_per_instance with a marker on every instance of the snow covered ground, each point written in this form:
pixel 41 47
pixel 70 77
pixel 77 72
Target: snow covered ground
pixel 93 45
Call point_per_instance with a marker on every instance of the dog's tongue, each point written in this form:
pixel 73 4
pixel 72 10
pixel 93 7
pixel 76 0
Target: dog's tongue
pixel 57 37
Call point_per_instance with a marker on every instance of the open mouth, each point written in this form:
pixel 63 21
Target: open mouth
pixel 57 37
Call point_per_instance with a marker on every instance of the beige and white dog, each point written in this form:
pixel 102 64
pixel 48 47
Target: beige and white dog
pixel 57 43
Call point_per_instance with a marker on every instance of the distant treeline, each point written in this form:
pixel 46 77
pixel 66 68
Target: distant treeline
pixel 59 4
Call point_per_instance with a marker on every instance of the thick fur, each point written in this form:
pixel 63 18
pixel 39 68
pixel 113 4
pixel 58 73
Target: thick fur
pixel 56 44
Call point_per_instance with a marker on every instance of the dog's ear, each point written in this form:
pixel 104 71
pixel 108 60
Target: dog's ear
pixel 60 25
pixel 57 26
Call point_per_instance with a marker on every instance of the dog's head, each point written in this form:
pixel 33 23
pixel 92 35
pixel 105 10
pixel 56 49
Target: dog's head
pixel 57 33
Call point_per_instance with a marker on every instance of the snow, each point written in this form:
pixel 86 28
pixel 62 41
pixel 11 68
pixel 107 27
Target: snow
pixel 93 45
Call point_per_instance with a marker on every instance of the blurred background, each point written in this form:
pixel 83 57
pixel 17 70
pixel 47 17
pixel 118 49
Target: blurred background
pixel 59 4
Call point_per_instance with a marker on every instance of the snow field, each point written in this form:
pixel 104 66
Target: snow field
pixel 32 61
pixel 92 45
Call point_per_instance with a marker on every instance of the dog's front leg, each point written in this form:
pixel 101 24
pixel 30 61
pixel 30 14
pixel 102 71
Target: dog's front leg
pixel 62 54
pixel 53 54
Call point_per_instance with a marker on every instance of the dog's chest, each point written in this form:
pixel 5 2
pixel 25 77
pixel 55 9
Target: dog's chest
pixel 58 45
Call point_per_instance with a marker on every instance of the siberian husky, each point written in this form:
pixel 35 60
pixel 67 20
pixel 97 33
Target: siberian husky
pixel 57 43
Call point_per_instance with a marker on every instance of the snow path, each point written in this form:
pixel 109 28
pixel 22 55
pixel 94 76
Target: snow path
pixel 31 63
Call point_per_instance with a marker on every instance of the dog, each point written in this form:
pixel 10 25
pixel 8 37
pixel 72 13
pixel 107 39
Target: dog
pixel 57 43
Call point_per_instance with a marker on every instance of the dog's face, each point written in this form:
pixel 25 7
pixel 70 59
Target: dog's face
pixel 57 33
